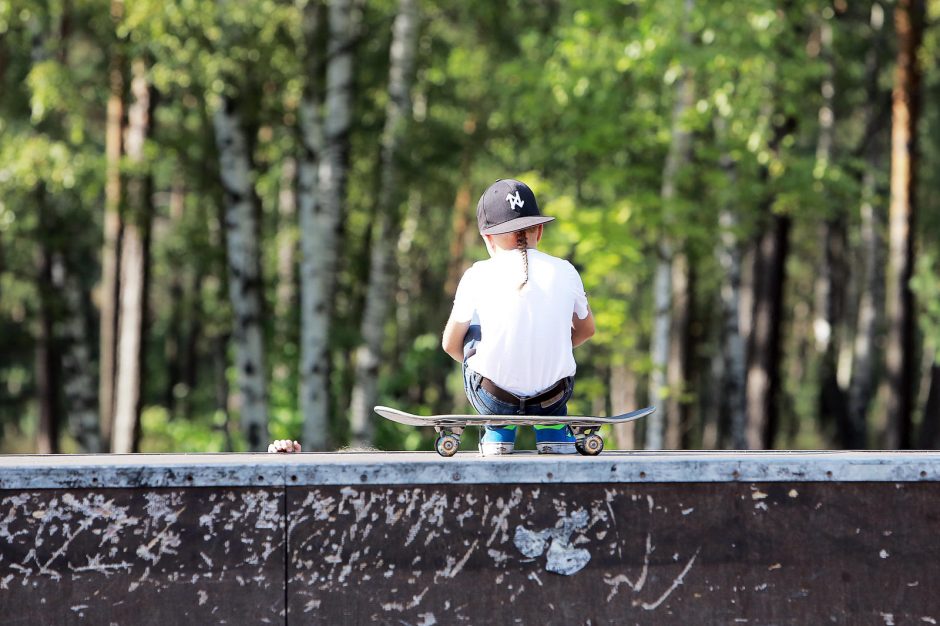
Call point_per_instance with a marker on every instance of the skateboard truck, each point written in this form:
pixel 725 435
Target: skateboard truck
pixel 448 440
pixel 587 442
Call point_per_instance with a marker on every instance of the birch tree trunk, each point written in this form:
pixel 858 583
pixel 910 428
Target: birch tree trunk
pixel 285 294
pixel 134 270
pixel 869 316
pixel 244 272
pixel 385 231
pixel 901 359
pixel 110 251
pixel 314 301
pixel 130 340
pixel 286 246
pixel 733 404
pixel 662 283
pixel 321 219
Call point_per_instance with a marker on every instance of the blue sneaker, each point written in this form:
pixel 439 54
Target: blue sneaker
pixel 498 440
pixel 555 440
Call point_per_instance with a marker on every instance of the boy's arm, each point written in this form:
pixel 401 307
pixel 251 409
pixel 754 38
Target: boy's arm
pixel 452 341
pixel 581 329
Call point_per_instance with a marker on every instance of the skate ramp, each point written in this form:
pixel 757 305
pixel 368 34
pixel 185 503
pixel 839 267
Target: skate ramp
pixel 402 538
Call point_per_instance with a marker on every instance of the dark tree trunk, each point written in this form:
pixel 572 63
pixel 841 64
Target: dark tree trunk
pixel 833 400
pixel 190 353
pixel 221 386
pixel 679 414
pixel 901 350
pixel 78 379
pixel 831 278
pixel 173 346
pixel 463 230
pixel 48 358
pixel 763 377
pixel 930 426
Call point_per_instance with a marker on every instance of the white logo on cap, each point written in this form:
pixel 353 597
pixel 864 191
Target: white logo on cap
pixel 514 200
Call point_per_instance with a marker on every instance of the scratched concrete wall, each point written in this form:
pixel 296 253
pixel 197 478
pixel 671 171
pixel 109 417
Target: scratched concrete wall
pixel 692 553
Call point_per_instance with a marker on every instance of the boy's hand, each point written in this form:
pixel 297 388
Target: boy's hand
pixel 284 445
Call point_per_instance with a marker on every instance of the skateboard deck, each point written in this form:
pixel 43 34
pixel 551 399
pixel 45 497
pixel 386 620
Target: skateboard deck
pixel 450 427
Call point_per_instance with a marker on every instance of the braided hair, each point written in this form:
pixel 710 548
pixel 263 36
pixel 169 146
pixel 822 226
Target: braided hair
pixel 522 242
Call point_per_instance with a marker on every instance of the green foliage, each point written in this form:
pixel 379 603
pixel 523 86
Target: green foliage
pixel 575 98
pixel 926 285
pixel 208 433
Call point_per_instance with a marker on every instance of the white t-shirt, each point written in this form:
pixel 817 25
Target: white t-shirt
pixel 526 335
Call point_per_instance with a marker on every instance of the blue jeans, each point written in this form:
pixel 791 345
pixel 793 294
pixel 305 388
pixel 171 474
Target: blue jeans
pixel 486 404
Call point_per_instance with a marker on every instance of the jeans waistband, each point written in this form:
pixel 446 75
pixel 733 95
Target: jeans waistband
pixel 553 393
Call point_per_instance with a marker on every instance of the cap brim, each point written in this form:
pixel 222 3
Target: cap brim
pixel 520 223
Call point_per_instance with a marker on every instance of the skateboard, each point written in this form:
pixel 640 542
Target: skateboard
pixel 450 427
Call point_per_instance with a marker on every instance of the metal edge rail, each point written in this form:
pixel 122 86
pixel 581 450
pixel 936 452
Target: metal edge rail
pixel 398 468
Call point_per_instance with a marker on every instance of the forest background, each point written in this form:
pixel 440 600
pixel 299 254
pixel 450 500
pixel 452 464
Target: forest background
pixel 226 222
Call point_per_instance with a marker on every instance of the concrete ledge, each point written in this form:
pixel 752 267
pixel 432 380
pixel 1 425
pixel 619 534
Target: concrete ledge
pixel 401 468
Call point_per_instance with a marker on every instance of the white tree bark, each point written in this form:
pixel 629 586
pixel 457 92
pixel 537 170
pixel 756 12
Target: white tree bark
pixel 662 283
pixel 659 348
pixel 734 358
pixel 384 235
pixel 286 243
pixel 321 216
pixel 314 302
pixel 130 342
pixel 133 275
pixel 244 274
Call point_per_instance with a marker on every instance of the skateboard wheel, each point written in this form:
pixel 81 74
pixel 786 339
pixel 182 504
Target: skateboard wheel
pixel 447 445
pixel 591 446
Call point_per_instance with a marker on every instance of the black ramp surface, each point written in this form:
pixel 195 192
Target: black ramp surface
pixel 146 556
pixel 786 538
pixel 685 554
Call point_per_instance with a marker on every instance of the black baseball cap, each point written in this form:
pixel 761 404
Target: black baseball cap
pixel 507 206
